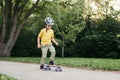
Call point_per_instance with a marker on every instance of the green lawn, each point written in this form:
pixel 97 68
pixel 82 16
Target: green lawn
pixel 5 77
pixel 87 63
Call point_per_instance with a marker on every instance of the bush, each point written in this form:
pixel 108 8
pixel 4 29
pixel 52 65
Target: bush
pixel 26 45
pixel 101 41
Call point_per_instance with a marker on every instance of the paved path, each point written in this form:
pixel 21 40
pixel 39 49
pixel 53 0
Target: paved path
pixel 25 71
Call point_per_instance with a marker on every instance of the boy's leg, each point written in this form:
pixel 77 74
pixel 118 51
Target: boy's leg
pixel 52 50
pixel 44 54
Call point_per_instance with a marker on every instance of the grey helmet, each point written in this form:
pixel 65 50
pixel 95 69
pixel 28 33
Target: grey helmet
pixel 49 21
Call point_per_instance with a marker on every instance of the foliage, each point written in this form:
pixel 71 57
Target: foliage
pixel 26 44
pixel 101 41
pixel 71 23
pixel 5 77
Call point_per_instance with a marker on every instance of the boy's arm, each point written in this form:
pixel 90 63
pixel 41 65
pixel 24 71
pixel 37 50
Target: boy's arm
pixel 53 40
pixel 38 42
pixel 38 39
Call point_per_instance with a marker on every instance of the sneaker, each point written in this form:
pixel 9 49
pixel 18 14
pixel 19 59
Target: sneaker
pixel 51 63
pixel 42 66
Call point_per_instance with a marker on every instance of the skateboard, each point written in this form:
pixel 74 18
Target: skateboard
pixel 52 68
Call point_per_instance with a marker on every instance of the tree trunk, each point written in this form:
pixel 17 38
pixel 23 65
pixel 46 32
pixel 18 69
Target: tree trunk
pixel 62 51
pixel 63 46
pixel 11 38
pixel 2 47
pixel 15 37
pixel 5 49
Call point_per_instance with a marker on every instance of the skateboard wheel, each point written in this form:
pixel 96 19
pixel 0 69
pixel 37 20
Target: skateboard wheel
pixel 49 68
pixel 60 70
pixel 56 70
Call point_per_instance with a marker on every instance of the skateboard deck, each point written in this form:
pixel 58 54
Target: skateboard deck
pixel 52 68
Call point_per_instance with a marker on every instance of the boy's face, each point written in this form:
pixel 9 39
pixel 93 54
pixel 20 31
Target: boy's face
pixel 48 27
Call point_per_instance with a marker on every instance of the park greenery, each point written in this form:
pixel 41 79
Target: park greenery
pixel 80 31
pixel 80 63
pixel 5 77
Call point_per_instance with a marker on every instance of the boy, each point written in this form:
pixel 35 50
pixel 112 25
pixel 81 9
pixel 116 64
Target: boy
pixel 44 39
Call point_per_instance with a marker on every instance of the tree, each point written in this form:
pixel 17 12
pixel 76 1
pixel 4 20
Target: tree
pixel 14 15
pixel 69 21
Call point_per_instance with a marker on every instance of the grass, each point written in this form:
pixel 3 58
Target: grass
pixel 87 63
pixel 5 77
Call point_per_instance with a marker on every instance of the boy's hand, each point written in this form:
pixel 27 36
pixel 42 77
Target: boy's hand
pixel 56 44
pixel 38 46
pixel 55 41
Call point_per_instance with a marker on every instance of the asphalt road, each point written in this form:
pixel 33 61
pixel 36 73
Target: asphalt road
pixel 25 71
